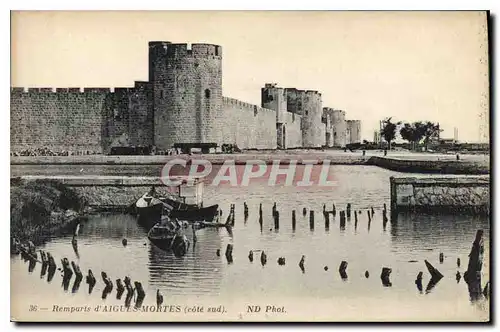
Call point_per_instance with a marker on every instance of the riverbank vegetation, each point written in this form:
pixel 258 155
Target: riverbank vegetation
pixel 41 207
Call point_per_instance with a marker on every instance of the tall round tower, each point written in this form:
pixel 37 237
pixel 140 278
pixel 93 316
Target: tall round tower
pixel 275 98
pixel 312 135
pixel 187 87
pixel 339 127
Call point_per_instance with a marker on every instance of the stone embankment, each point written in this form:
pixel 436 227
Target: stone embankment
pixel 450 194
pixel 408 164
pixel 41 208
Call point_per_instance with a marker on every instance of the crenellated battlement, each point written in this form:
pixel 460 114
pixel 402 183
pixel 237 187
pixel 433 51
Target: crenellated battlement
pixel 31 90
pixel 158 43
pixel 186 50
pixel 244 105
pixel 313 92
pixel 332 110
pixel 97 90
pixel 139 86
pixel 206 49
pixel 271 85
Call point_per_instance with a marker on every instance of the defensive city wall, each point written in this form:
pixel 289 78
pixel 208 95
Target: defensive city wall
pixel 182 102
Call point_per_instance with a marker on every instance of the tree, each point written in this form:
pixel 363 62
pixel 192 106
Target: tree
pixel 388 131
pixel 430 130
pixel 413 132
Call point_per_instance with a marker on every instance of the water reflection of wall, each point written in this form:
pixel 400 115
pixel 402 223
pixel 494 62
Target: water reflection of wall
pixel 114 226
pixel 421 231
pixel 200 270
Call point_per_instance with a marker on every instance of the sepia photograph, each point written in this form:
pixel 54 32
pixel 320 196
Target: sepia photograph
pixel 250 166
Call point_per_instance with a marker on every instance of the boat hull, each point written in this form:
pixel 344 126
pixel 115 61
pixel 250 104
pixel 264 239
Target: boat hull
pixel 150 215
pixel 208 214
pixel 178 245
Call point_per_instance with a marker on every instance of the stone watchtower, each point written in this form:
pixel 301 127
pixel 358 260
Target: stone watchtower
pixel 187 93
pixel 312 112
pixel 339 126
pixel 274 98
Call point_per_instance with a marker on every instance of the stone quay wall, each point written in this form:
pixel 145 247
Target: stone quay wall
pixel 446 194
pixel 430 166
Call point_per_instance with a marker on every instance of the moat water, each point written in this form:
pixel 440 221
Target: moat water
pixel 203 276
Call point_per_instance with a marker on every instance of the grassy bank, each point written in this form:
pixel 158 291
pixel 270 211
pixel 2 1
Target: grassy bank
pixel 40 208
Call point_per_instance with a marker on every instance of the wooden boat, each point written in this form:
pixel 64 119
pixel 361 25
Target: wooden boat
pixel 149 209
pixel 183 205
pixel 208 214
pixel 178 204
pixel 169 237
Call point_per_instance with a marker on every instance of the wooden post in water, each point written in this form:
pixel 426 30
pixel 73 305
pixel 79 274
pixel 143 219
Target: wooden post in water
pixel 229 253
pixel 435 274
pixel 78 277
pixel 228 219
pixel 348 210
pixel 418 281
pixel 43 257
pixel 355 219
pixel 473 274
pixel 334 211
pixel 342 270
pixel 373 211
pixel 327 221
pixel 342 220
pixel 263 258
pixel 76 269
pixel 386 272
pixel 394 213
pixel 67 272
pixel 301 264
pixel 119 289
pixel 304 212
pixel 90 280
pixel 107 281
pixel 140 294
pixel 233 214
pixel 369 218
pixel 276 220
pixel 52 267
pixel 294 221
pixel 311 220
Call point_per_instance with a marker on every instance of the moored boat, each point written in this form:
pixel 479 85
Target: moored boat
pixel 168 236
pixel 149 209
pixel 208 214
pixel 184 205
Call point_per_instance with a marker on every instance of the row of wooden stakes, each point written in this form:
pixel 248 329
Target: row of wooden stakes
pixel 471 276
pixel 68 269
pixel 344 216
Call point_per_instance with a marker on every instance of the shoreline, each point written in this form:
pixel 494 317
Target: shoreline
pixel 405 163
pixel 54 208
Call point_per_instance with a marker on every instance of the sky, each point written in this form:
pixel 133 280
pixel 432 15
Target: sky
pixel 407 65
